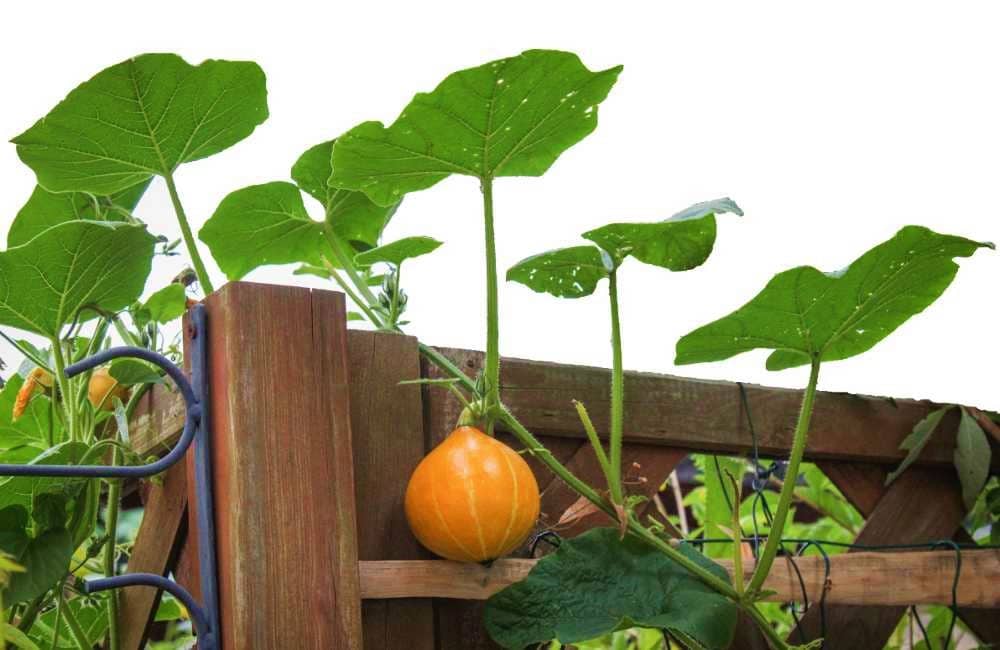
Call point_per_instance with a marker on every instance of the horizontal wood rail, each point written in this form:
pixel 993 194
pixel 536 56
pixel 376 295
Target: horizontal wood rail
pixel 700 415
pixel 914 578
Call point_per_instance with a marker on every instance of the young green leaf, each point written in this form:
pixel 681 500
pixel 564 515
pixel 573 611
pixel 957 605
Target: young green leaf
pixel 680 243
pixel 131 372
pixel 805 314
pixel 972 458
pixel 351 214
pixel 20 490
pixel 564 273
pixel 45 209
pixel 917 440
pixel 511 117
pixel 45 559
pixel 396 252
pixel 261 225
pixel 16 637
pixel 720 500
pixel 33 427
pixel 143 117
pixel 167 304
pixel 596 583
pixel 48 281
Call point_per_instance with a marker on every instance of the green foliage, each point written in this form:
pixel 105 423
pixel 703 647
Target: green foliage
pixel 48 281
pixel 972 458
pixel 167 304
pixel 720 499
pixel 917 440
pixel 564 273
pixel 131 372
pixel 46 209
pixel 34 425
pixel 142 117
pixel 397 252
pixel 511 117
pixel 805 314
pixel 596 584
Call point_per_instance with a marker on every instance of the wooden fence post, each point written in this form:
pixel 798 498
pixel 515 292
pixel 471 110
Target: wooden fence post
pixel 284 482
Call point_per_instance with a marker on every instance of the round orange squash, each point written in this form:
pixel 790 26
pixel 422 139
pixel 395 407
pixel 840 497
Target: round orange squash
pixel 472 499
pixel 103 388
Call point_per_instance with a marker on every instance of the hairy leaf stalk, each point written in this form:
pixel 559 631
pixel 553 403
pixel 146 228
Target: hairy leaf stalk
pixel 189 243
pixel 492 307
pixel 617 394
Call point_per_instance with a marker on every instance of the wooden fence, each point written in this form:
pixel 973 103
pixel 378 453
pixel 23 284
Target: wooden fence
pixel 315 438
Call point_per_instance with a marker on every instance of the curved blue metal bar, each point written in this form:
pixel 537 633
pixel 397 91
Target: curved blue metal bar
pixel 194 412
pixel 201 624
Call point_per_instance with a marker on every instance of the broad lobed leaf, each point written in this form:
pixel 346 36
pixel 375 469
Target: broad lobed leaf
pixel 144 116
pixel 565 272
pixel 597 583
pixel 45 283
pixel 804 313
pixel 511 117
pixel 395 253
pixel 680 243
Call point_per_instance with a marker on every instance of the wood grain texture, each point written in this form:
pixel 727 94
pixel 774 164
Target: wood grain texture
pixel 158 421
pixel 864 485
pixel 283 468
pixel 922 577
pixel 156 548
pixel 707 416
pixel 923 505
pixel 387 422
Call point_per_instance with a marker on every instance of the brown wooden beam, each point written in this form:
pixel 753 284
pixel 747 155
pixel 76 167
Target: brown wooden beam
pixel 923 577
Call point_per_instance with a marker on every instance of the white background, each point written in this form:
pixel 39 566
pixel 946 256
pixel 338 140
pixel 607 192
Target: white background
pixel 831 125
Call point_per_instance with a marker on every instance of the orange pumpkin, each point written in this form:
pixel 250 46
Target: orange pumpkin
pixel 472 499
pixel 103 388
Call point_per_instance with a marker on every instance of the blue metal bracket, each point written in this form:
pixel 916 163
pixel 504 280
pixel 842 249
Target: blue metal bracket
pixel 195 392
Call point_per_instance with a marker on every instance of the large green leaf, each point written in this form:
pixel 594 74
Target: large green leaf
pixel 972 458
pixel 21 490
pixel 511 117
pixel 32 428
pixel 680 243
pixel 45 209
pixel 804 313
pixel 565 272
pixel 92 615
pixel 45 560
pixel 141 117
pixel 167 304
pixel 596 583
pixel 352 215
pixel 397 252
pixel 261 225
pixel 45 283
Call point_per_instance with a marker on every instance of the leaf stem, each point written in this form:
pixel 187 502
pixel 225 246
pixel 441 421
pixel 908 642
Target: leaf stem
pixel 617 394
pixel 110 555
pixel 63 384
pixel 595 442
pixel 192 248
pixel 492 309
pixel 788 489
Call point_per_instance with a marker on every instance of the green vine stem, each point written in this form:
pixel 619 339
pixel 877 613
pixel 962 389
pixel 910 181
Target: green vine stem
pixel 492 309
pixel 788 489
pixel 63 385
pixel 617 394
pixel 192 247
pixel 110 555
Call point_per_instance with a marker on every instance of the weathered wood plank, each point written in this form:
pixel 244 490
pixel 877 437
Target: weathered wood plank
pixel 156 546
pixel 283 468
pixel 921 577
pixel 864 485
pixel 693 414
pixel 158 421
pixel 387 423
pixel 923 505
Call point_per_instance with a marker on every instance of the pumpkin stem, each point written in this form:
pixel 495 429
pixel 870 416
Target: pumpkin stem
pixel 472 415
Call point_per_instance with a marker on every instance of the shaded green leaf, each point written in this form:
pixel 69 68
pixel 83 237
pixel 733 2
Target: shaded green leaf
pixel 45 209
pixel 45 560
pixel 141 117
pixel 90 612
pixel 20 490
pixel 16 637
pixel 804 313
pixel 396 252
pixel 972 458
pixel 131 372
pixel 45 283
pixel 352 215
pixel 49 511
pixel 511 117
pixel 917 440
pixel 720 499
pixel 261 225
pixel 682 242
pixel 565 272
pixel 167 304
pixel 596 583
